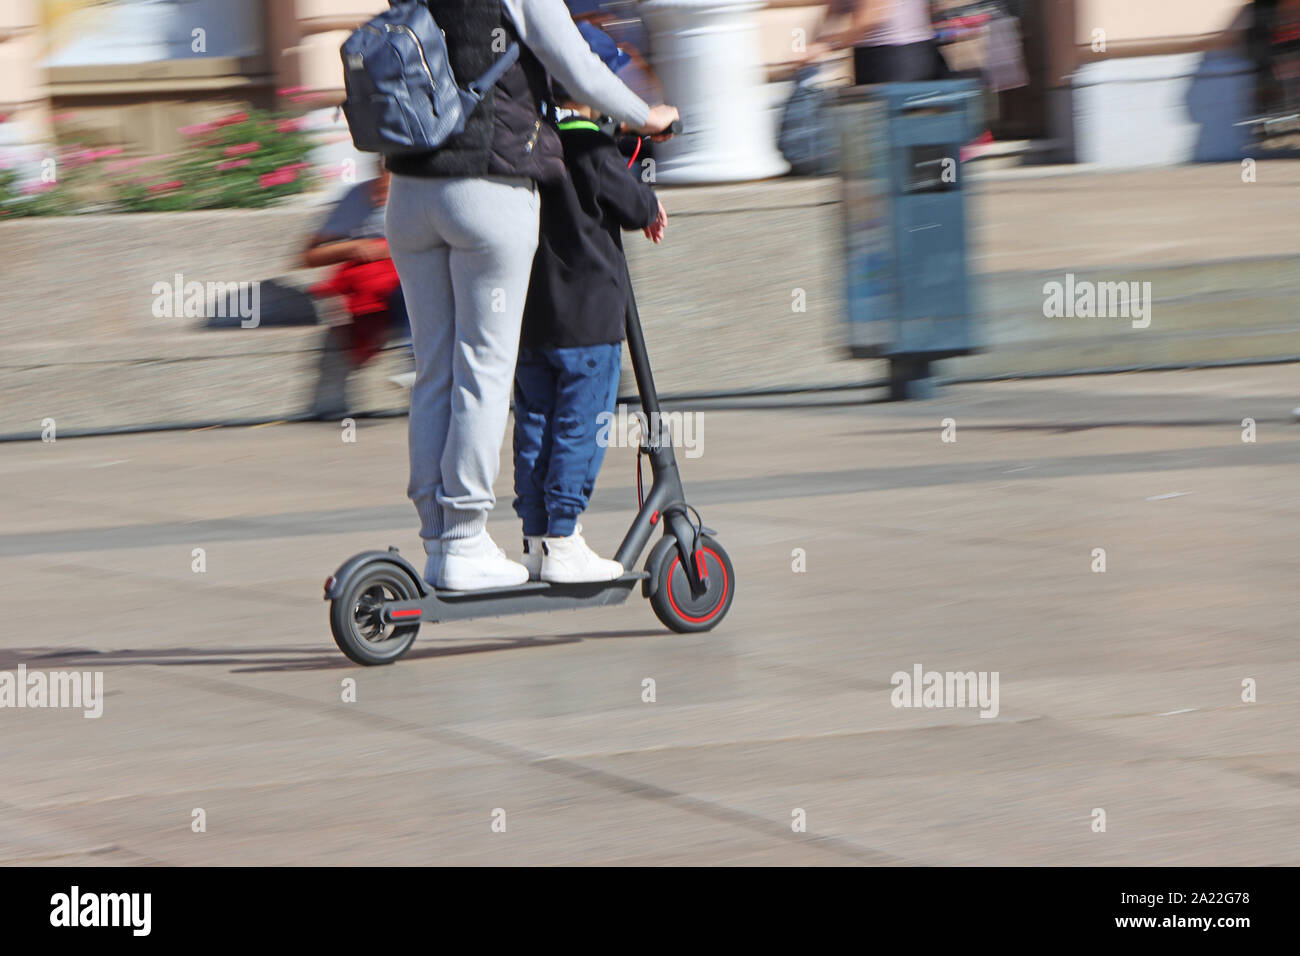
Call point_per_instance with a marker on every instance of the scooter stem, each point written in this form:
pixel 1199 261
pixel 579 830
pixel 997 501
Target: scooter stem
pixel 666 499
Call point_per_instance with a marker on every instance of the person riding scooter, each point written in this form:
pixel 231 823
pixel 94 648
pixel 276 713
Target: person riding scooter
pixel 462 228
pixel 571 346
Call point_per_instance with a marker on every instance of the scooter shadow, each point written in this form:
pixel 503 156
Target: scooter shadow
pixel 258 660
pixel 332 659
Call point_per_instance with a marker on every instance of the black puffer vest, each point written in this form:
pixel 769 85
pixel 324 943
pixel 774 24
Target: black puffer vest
pixel 507 134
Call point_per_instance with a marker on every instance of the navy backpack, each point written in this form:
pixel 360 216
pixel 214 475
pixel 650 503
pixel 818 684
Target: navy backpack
pixel 402 96
pixel 807 134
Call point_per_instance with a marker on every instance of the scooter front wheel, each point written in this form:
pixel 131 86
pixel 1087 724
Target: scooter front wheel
pixel 356 615
pixel 673 601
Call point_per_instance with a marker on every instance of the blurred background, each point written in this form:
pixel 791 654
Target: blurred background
pixel 163 160
pixel 1107 136
pixel 130 74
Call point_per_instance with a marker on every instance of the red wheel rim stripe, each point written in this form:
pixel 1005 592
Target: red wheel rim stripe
pixel 722 600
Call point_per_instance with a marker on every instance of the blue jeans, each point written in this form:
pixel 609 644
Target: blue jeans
pixel 559 397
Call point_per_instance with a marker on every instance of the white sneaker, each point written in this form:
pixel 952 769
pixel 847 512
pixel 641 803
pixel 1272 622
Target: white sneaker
pixel 475 564
pixel 533 556
pixel 569 560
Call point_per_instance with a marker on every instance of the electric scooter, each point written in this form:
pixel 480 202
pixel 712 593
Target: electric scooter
pixel 378 599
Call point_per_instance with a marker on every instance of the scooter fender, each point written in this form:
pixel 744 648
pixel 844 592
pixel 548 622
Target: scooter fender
pixel 660 555
pixel 337 582
pixel 678 530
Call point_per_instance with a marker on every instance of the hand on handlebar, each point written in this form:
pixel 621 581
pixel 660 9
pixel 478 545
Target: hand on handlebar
pixel 658 124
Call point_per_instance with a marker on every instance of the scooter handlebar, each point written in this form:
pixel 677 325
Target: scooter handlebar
pixel 672 129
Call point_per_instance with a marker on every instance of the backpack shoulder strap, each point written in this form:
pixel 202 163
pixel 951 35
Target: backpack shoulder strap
pixel 493 73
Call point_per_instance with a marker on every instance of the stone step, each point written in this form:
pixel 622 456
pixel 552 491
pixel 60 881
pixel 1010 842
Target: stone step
pixel 1222 297
pixel 1160 350
pixel 718 299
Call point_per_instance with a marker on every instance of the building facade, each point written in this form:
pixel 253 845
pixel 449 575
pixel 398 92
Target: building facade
pixel 1117 82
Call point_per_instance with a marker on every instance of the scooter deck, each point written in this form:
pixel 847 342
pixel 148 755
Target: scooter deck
pixel 523 599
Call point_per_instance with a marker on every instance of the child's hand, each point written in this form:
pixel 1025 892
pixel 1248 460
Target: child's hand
pixel 655 231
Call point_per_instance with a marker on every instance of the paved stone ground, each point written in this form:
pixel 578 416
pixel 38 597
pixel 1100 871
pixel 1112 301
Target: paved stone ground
pixel 1119 690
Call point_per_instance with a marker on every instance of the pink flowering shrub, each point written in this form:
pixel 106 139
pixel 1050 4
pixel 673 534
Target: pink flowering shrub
pixel 244 160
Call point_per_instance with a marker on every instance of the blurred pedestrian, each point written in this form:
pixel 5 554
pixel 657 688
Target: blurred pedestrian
pixel 352 240
pixel 628 33
pixel 892 41
pixel 462 225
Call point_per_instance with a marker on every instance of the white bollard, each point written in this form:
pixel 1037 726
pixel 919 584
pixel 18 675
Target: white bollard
pixel 706 53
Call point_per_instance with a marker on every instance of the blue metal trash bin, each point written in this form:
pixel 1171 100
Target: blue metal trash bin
pixel 908 288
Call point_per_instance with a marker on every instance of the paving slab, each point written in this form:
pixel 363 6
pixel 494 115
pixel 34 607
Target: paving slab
pixel 1120 690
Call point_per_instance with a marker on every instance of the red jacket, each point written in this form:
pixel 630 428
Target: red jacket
pixel 367 286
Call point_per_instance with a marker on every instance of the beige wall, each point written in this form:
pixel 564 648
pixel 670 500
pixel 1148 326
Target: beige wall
pixel 309 33
pixel 1154 27
pixel 1147 21
pixel 22 89
pixel 303 37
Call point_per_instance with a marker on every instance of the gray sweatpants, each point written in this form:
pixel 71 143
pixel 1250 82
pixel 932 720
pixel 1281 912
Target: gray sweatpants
pixel 464 251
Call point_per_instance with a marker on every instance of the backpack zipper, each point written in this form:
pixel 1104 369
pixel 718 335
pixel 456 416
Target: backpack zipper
pixel 399 28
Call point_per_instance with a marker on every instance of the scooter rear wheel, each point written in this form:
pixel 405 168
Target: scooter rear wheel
pixel 677 607
pixel 356 619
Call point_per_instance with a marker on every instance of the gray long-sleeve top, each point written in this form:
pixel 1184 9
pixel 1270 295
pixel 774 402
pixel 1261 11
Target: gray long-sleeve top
pixel 545 27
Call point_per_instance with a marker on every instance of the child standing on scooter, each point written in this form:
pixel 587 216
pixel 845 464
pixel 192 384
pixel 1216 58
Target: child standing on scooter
pixel 571 346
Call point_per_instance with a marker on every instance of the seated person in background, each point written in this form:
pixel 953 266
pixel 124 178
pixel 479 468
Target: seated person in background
pixel 352 238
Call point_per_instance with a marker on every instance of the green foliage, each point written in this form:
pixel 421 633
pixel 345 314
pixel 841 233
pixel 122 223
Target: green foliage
pixel 8 192
pixel 66 186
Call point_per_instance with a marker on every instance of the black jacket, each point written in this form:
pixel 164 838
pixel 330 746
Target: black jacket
pixel 506 135
pixel 578 291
